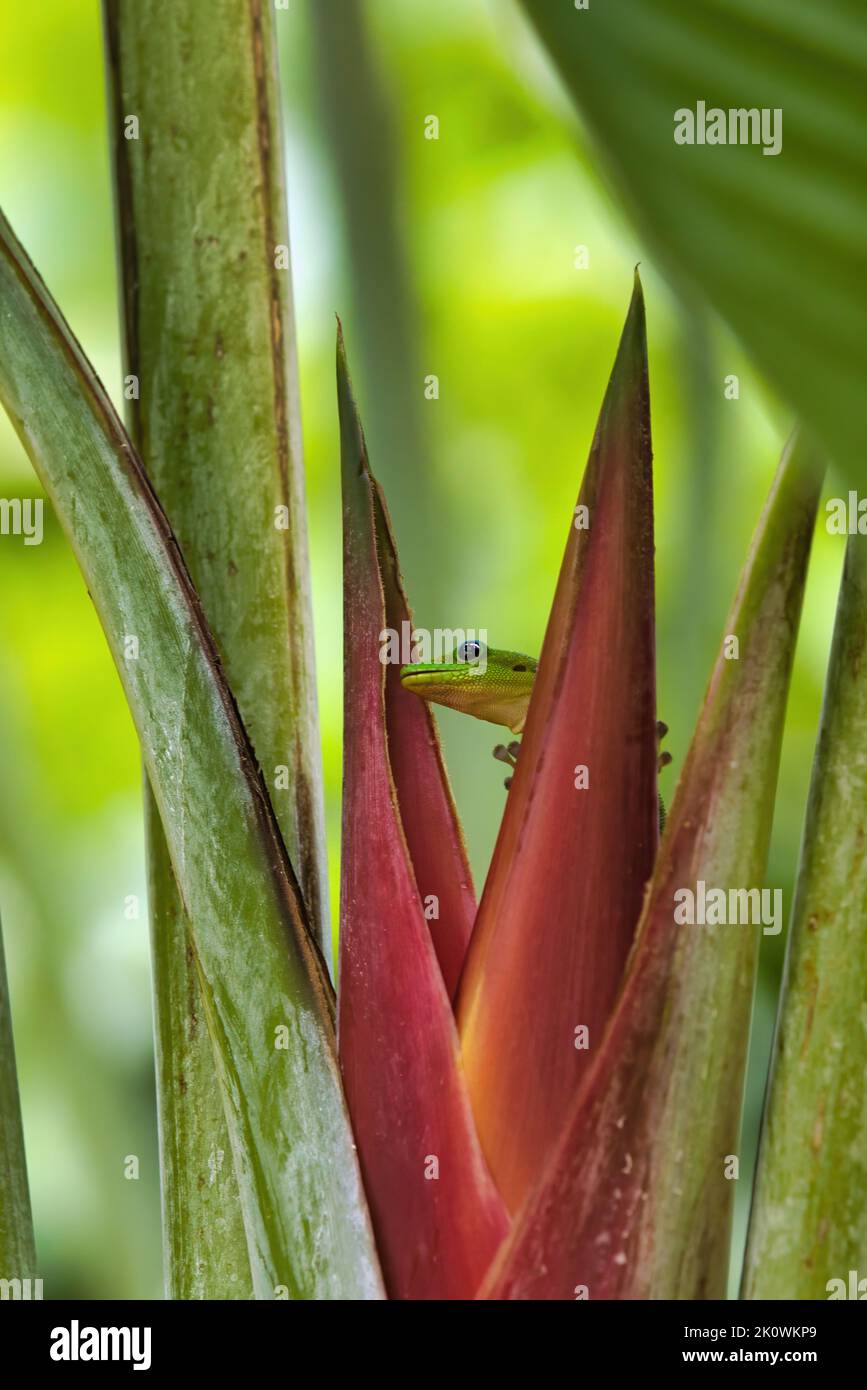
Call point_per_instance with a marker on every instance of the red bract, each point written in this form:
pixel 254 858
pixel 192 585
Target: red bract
pixel 437 1215
pixel 564 891
pixel 427 811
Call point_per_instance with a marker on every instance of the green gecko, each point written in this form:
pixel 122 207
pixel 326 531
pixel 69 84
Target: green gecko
pixel 494 685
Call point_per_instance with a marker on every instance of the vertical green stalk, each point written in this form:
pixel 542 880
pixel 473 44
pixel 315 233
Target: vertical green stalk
pixel 17 1248
pixel 211 383
pixel 360 129
pixel 809 1219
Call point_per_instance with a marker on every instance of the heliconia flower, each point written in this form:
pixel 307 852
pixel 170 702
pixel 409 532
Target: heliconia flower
pixel 604 1068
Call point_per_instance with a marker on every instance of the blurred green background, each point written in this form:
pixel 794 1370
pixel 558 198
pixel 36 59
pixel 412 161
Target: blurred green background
pixel 454 257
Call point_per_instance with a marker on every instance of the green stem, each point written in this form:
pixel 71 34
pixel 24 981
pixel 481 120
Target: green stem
pixel 809 1218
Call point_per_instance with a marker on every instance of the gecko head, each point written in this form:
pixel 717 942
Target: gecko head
pixel 485 682
pixel 435 679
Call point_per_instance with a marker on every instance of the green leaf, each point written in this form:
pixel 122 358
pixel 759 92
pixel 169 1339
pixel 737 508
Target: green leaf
pixel 579 832
pixel 636 1201
pixel 17 1248
pixel 209 340
pixel 809 1218
pixel 263 981
pixel 775 242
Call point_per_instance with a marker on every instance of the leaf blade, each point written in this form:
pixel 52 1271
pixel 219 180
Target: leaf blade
pixel 774 243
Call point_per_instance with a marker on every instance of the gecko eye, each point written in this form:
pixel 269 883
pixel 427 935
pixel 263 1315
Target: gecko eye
pixel 519 668
pixel 470 651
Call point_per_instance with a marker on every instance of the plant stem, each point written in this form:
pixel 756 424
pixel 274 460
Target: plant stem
pixel 809 1218
pixel 210 340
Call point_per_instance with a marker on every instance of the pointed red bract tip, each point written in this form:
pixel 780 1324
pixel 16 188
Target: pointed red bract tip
pixel 578 837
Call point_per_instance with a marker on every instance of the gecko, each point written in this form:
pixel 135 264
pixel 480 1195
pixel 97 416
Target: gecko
pixel 490 684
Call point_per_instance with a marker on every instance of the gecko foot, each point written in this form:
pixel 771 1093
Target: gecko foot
pixel 663 759
pixel 507 755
